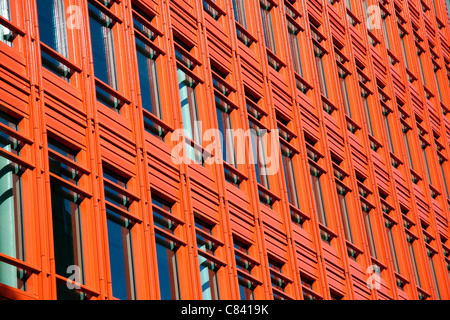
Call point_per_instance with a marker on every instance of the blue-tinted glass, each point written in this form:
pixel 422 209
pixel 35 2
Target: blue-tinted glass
pixel 66 229
pixel 62 149
pixel 167 269
pixel 52 24
pixel 148 78
pixel 246 288
pixel 120 255
pixel 102 46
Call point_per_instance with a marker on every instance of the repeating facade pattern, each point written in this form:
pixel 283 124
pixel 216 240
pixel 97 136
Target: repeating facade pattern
pixel 93 205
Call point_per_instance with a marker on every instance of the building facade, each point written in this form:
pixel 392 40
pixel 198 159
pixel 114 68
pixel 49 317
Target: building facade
pixel 351 201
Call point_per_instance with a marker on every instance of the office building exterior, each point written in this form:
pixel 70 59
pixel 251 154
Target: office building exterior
pixel 334 118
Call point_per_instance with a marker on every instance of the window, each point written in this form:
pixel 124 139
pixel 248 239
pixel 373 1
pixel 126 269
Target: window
pixel 407 146
pixel 147 53
pixel 410 241
pixel 387 127
pixel 307 288
pixel 289 176
pixel 366 110
pixel 425 159
pixel 257 139
pixel 6 35
pixel 419 56
pixel 437 82
pixel 207 246
pixel 188 98
pixel 318 195
pixel 433 273
pixel 239 12
pixel 344 91
pixel 388 225
pixel 441 166
pixel 102 40
pixel 266 16
pixel 385 30
pixel 288 152
pixel 278 280
pixel 402 43
pixel 11 216
pixel 223 112
pixel 294 46
pixel 318 54
pixel 213 9
pixel 66 214
pixel 369 232
pixel 119 235
pixel 166 249
pixel 368 223
pixel 341 192
pixel 53 35
pixel 244 263
pixel 447 2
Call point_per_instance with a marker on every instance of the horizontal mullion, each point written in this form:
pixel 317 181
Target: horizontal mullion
pixel 246 257
pixel 147 23
pixel 268 192
pixel 226 99
pixel 216 7
pixel 246 32
pixel 149 43
pixel 168 215
pixel 198 146
pixel 290 146
pixel 282 293
pixel 8 24
pixel 189 72
pixel 15 134
pixel 223 81
pixel 211 257
pixel 170 236
pixel 123 212
pixel 106 10
pixel 209 237
pixel 157 120
pixel 235 170
pixel 83 288
pixel 250 277
pixel 112 91
pixel 189 55
pixel 121 190
pixel 70 186
pixel 16 159
pixel 56 55
pixel 68 162
pixel 19 263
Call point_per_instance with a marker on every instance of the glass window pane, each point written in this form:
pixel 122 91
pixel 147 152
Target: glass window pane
pixel 208 277
pixel 291 184
pixel 369 232
pixel 167 269
pixel 266 17
pixel 102 40
pixel 120 256
pixel 6 35
pixel 66 229
pixel 11 225
pixel 52 25
pixel 318 199
pixel 239 12
pixel 148 78
pixel 246 289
